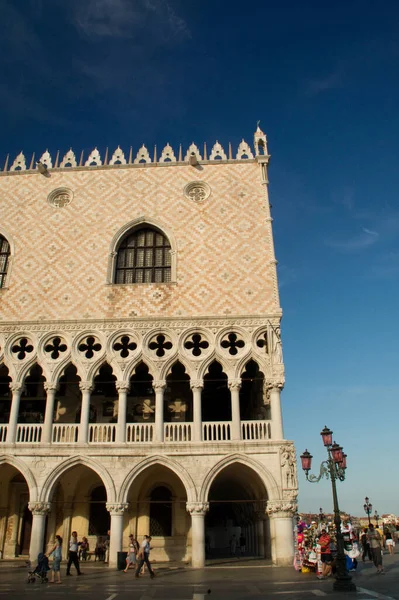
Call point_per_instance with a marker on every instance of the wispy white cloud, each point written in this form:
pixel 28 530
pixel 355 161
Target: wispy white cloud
pixel 330 81
pixel 126 18
pixel 355 243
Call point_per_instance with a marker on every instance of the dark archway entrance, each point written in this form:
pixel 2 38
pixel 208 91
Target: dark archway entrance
pixel 236 499
pixel 99 517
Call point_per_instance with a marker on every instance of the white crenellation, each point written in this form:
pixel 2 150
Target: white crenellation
pixel 167 154
pixel 193 151
pixel 45 159
pixel 217 152
pixel 69 159
pixel 19 163
pixel 118 157
pixel 142 156
pixel 94 159
pixel 244 151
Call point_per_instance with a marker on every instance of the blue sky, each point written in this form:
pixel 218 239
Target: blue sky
pixel 324 82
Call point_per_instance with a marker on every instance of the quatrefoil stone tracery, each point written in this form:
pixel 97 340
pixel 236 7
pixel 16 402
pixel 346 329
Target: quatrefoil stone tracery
pixel 22 348
pixel 196 344
pixel 55 347
pixel 232 343
pixel 262 342
pixel 124 346
pixel 89 346
pixel 159 345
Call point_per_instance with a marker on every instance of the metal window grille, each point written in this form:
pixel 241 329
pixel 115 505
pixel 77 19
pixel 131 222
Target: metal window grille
pixel 143 257
pixel 4 259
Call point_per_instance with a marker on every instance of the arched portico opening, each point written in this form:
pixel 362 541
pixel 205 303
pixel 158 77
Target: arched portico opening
pixel 141 397
pixel 15 516
pixel 157 506
pixel 235 522
pixel 68 397
pixel 178 396
pixel 78 500
pixel 216 398
pixel 32 406
pixel 5 399
pixel 252 395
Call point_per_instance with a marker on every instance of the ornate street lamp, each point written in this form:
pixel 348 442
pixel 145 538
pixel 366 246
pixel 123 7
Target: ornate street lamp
pixel 333 468
pixel 376 517
pixel 367 508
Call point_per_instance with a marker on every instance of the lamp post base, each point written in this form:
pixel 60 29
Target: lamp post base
pixel 344 584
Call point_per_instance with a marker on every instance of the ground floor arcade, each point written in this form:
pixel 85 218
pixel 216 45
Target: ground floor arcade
pixel 192 506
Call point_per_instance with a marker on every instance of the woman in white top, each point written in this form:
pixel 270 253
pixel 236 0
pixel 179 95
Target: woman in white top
pixel 131 556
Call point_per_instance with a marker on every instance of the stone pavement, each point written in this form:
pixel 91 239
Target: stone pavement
pixel 247 580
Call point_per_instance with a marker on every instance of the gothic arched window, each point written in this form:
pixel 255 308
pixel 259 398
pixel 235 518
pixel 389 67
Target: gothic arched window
pixel 143 256
pixel 4 259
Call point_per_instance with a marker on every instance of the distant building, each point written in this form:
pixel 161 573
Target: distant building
pixel 140 354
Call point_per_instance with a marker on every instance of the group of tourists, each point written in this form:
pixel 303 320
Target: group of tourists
pixel 370 544
pixel 138 555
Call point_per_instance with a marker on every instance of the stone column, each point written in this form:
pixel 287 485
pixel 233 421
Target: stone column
pixel 40 511
pixel 197 511
pixel 276 416
pixel 66 528
pixel 281 514
pixel 86 389
pixel 116 511
pixel 196 386
pixel 260 531
pixel 16 389
pixel 235 386
pixel 159 387
pixel 51 389
pixel 3 522
pixel 123 387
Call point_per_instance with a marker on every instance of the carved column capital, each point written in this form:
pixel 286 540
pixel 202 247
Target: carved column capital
pixel 51 387
pixel 159 385
pixel 234 384
pixel 39 508
pixel 196 384
pixel 117 508
pixel 122 386
pixel 281 508
pixel 16 387
pixel 86 386
pixel 197 508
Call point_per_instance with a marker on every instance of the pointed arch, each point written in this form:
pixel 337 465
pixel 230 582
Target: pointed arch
pixel 244 360
pixel 131 367
pixel 169 364
pixel 167 462
pixel 132 226
pixel 18 464
pixel 204 368
pixel 74 461
pixel 266 477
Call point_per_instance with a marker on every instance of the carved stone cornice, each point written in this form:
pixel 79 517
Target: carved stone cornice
pixel 39 508
pixel 197 508
pixel 117 508
pixel 281 508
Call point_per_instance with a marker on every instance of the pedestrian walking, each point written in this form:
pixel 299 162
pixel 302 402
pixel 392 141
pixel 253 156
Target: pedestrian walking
pixel 56 551
pixel 366 551
pixel 326 557
pixel 144 556
pixel 73 554
pixel 134 548
pixel 106 546
pixel 388 539
pixel 243 544
pixel 374 538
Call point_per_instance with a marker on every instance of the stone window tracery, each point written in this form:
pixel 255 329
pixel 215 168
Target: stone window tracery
pixel 196 344
pixel 143 256
pixel 55 347
pixel 22 348
pixel 4 259
pixel 232 343
pixel 124 346
pixel 89 346
pixel 159 345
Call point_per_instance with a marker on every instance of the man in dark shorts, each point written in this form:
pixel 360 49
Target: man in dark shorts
pixel 326 557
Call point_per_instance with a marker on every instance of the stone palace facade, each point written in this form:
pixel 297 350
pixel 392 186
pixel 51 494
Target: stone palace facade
pixel 140 355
